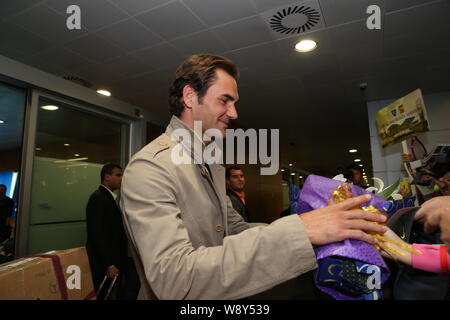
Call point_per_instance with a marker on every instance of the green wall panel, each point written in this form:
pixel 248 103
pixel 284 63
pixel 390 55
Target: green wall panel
pixel 61 189
pixel 43 238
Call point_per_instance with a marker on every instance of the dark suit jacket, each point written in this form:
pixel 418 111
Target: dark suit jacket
pixel 6 211
pixel 106 239
pixel 238 205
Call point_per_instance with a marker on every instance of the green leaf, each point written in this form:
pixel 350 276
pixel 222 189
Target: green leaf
pixel 386 193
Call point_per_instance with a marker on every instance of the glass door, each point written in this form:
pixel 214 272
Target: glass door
pixel 72 143
pixel 12 116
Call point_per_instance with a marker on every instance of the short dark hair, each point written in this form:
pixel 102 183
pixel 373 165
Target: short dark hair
pixel 229 169
pixel 348 174
pixel 441 169
pixel 4 186
pixel 199 72
pixel 108 169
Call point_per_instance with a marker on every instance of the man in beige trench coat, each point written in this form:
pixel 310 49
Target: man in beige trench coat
pixel 189 243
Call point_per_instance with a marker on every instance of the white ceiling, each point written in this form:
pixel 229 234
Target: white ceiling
pixel 133 46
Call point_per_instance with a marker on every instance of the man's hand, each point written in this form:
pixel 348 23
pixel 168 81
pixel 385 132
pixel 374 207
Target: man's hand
pixel 11 222
pixel 341 221
pixel 435 214
pixel 112 271
pixel 406 157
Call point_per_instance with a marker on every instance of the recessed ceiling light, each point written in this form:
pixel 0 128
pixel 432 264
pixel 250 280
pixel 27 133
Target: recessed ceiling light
pixel 38 149
pixel 1 121
pixel 352 150
pixel 66 144
pixel 282 170
pixel 292 174
pixel 305 46
pixel 357 160
pixel 50 107
pixel 301 177
pixel 104 92
pixel 290 164
pixel 361 165
pixel 76 155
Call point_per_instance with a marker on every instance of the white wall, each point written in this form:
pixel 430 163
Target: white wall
pixel 386 162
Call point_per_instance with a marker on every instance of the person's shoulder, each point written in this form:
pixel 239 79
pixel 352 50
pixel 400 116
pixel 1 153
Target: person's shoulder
pixel 95 198
pixel 233 196
pixel 154 157
pixel 156 149
pixel 99 193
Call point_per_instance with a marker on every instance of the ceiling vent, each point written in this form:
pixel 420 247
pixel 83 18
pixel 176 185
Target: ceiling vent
pixel 78 80
pixel 295 19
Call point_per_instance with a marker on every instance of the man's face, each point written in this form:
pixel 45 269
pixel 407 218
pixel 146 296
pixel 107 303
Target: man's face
pixel 114 180
pixel 445 184
pixel 425 178
pixel 217 106
pixel 236 181
pixel 357 177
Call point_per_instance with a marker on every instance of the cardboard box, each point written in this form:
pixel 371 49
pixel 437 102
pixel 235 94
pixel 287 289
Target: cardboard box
pixel 54 275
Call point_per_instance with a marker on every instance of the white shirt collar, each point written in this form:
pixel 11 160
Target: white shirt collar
pixel 112 193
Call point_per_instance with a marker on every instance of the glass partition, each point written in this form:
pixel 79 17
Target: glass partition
pixel 71 146
pixel 12 115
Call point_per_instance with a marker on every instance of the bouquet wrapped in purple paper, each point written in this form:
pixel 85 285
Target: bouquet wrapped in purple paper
pixel 349 269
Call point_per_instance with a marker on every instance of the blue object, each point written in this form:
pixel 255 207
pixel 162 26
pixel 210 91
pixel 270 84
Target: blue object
pixel 399 204
pixel 388 205
pixel 349 276
pixel 294 194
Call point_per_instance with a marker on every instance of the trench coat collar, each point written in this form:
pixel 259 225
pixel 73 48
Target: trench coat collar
pixel 194 153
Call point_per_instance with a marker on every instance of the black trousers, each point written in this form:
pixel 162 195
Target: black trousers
pixel 5 232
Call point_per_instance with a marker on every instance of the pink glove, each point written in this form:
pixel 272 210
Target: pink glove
pixel 434 258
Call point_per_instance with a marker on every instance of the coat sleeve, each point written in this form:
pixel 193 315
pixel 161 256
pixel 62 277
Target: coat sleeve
pixel 247 263
pixel 97 228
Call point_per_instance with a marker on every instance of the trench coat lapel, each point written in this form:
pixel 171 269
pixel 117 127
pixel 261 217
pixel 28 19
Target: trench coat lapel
pixel 217 180
pixel 218 175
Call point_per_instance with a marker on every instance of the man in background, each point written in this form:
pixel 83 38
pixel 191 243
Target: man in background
pixel 235 190
pixel 354 175
pixel 107 244
pixel 6 213
pixel 442 174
